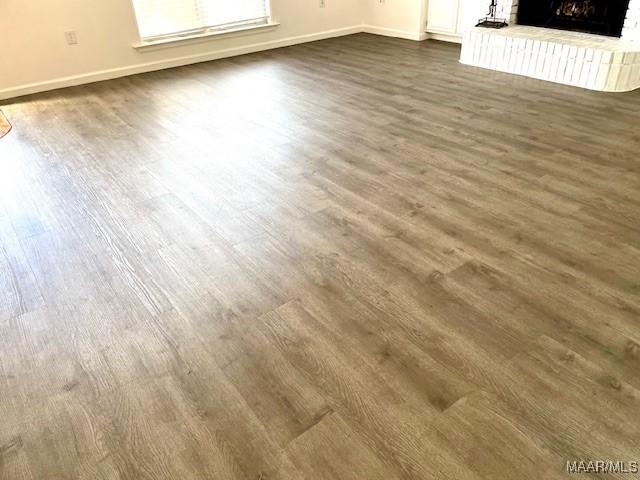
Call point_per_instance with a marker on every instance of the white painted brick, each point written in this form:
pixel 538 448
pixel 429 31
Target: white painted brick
pixel 625 76
pixel 589 54
pixel 578 66
pixel 520 46
pixel 589 61
pixel 527 56
pixel 611 80
pixel 596 66
pixel 585 75
pixel 603 73
pixel 535 52
pixel 570 67
pixel 555 62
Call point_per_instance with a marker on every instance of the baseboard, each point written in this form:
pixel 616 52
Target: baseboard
pixel 444 37
pixel 110 74
pixel 391 32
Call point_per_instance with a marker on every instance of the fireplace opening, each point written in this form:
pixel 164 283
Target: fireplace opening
pixel 604 17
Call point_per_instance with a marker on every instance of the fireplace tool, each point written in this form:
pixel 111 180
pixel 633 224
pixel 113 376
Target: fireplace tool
pixel 492 21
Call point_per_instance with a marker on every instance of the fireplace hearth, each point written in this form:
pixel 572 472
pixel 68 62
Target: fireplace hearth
pixel 557 54
pixel 604 17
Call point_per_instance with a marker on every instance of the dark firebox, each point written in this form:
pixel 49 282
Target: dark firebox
pixel 604 17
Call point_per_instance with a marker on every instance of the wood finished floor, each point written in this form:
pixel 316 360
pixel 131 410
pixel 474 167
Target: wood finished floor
pixel 350 259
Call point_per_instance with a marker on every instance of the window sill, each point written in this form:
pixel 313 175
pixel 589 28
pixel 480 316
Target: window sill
pixel 146 46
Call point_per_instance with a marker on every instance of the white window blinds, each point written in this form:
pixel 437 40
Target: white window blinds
pixel 163 18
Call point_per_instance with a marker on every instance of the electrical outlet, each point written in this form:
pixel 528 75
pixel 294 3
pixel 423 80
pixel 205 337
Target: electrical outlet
pixel 322 4
pixel 71 37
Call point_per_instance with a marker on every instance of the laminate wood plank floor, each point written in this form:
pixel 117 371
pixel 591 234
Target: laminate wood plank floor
pixel 348 259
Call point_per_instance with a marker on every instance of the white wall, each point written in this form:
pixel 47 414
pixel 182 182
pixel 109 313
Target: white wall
pixel 35 57
pixel 402 18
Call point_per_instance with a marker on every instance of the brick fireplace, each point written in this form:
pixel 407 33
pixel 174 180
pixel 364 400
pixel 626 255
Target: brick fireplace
pixel 603 17
pixel 631 29
pixel 599 61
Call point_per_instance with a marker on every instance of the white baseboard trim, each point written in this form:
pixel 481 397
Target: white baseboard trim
pixel 110 74
pixel 391 32
pixel 444 37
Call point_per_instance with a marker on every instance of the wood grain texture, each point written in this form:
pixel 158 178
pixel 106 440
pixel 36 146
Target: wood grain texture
pixel 349 259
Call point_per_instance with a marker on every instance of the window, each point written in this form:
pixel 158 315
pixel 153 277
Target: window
pixel 166 18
